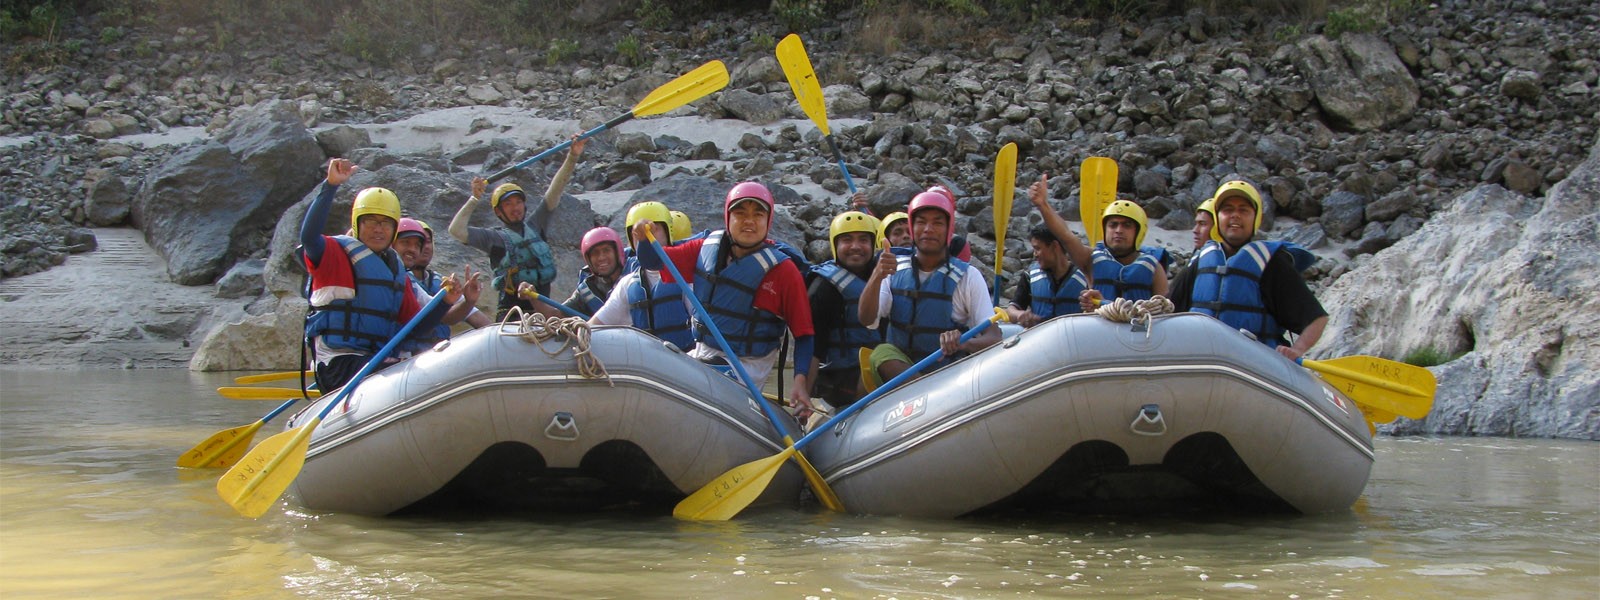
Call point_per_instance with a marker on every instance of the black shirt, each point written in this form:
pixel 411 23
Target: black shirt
pixel 1283 292
pixel 827 313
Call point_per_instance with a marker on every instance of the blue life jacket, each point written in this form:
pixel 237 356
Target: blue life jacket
pixel 846 340
pixel 432 284
pixel 922 312
pixel 1229 288
pixel 1160 253
pixel 1115 280
pixel 527 259
pixel 1047 300
pixel 370 319
pixel 730 296
pixel 660 310
pixel 588 298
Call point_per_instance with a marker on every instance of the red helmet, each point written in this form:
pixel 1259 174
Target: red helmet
pixel 748 190
pixel 601 235
pixel 411 226
pixel 935 200
pixel 944 190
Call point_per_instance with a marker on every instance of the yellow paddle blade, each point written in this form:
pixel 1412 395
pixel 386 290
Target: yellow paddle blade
pixel 1098 189
pixel 264 393
pixel 266 377
pixel 222 449
pixel 819 486
pixel 803 80
pixel 254 485
pixel 1005 187
pixel 687 88
pixel 1386 385
pixel 729 493
pixel 869 380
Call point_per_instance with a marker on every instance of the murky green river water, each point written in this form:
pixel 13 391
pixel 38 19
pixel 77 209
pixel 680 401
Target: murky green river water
pixel 91 507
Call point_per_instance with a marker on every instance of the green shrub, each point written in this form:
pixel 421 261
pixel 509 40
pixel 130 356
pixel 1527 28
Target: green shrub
pixel 1429 356
pixel 629 52
pixel 560 51
pixel 764 41
pixel 653 14
pixel 1349 20
pixel 110 35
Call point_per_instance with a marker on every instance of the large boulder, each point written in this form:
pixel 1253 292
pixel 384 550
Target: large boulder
pixel 215 202
pixel 269 341
pixel 1359 80
pixel 1505 279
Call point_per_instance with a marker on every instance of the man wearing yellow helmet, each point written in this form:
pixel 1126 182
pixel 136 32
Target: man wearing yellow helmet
pixel 1205 217
pixel 361 294
pixel 642 299
pixel 835 292
pixel 517 248
pixel 1120 269
pixel 1254 286
pixel 682 229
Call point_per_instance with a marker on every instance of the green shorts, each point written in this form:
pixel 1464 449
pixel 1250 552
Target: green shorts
pixel 884 353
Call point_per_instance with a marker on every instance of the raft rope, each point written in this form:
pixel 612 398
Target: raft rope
pixel 536 328
pixel 1123 310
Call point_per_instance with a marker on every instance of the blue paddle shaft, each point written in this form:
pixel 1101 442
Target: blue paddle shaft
pixel 890 384
pixel 839 156
pixel 733 359
pixel 502 173
pixel 562 307
pixel 377 359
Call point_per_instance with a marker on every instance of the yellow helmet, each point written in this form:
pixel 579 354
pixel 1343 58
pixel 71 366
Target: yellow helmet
pixel 503 190
pixel 851 222
pixel 1124 208
pixel 1209 207
pixel 887 222
pixel 680 227
pixel 648 211
pixel 375 201
pixel 1231 189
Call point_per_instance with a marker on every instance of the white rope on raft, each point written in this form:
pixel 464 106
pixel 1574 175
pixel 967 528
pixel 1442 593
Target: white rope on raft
pixel 1123 310
pixel 536 328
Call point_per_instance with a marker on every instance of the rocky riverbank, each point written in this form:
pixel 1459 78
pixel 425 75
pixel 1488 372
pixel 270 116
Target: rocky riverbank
pixel 1357 141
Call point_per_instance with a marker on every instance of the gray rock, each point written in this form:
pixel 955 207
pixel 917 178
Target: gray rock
pixel 1521 84
pixel 107 198
pixel 485 93
pixel 214 202
pixel 1392 205
pixel 1373 238
pixel 1528 367
pixel 245 279
pixel 758 109
pixel 1521 178
pixel 1342 212
pixel 1359 81
pixel 99 128
pixel 891 193
pixel 79 240
pixel 706 151
pixel 339 141
pixel 845 100
pixel 1148 184
pixel 761 68
pixel 262 342
pixel 628 144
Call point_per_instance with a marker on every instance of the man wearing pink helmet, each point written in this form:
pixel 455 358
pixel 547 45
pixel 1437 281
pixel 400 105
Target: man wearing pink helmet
pixel 751 288
pixel 602 257
pixel 414 242
pixel 931 297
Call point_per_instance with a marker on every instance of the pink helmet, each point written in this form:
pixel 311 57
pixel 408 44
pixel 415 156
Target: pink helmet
pixel 938 201
pixel 748 190
pixel 944 190
pixel 410 226
pixel 601 235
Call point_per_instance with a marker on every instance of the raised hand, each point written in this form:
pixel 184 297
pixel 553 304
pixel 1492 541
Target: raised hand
pixel 340 170
pixel 1039 192
pixel 479 186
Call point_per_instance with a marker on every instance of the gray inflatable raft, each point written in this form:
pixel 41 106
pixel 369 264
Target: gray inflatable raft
pixel 1081 414
pixel 489 422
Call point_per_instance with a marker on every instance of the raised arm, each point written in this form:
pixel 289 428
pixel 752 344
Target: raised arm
pixel 458 223
pixel 1039 195
pixel 552 195
pixel 316 219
